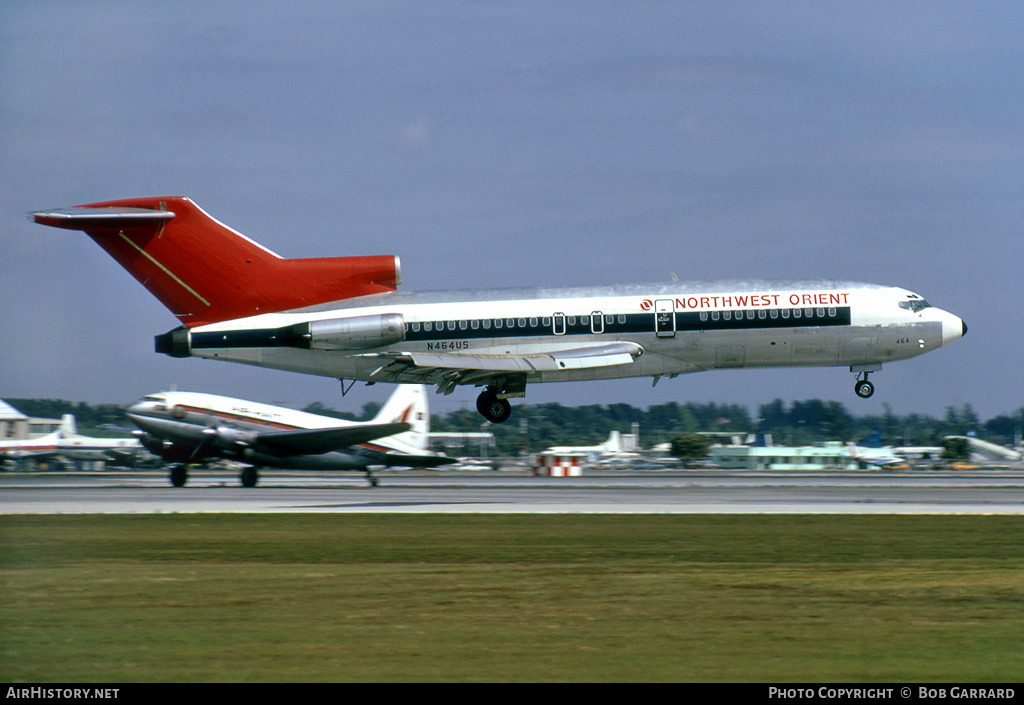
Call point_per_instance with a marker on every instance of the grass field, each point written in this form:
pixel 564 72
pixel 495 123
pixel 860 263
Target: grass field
pixel 511 598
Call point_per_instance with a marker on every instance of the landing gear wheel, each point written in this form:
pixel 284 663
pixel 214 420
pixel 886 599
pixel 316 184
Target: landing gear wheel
pixel 492 408
pixel 864 388
pixel 179 475
pixel 249 477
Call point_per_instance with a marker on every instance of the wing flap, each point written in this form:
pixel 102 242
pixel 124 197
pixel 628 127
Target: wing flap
pixel 324 440
pixel 418 461
pixel 620 353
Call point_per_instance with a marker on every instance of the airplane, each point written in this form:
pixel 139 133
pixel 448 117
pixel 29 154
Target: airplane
pixel 343 317
pixel 191 427
pixel 872 453
pixel 67 443
pixel 611 451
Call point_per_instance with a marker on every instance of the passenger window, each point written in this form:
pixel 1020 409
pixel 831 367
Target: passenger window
pixel 451 325
pixel 533 322
pixel 522 323
pixel 463 325
pixel 621 318
pixel 703 315
pixel 428 326
pixel 714 315
pixel 415 327
pixel 474 324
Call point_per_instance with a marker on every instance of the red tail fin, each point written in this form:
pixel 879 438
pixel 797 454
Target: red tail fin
pixel 205 272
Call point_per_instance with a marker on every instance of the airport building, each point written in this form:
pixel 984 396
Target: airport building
pixel 831 455
pixel 16 426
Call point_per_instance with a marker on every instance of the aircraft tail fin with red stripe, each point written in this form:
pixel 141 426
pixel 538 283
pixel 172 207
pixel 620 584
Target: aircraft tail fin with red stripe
pixel 205 272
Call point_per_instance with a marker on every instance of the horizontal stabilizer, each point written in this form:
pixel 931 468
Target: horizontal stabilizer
pixel 86 218
pixel 325 440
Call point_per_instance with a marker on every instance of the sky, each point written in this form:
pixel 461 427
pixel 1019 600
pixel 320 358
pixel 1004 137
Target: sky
pixel 495 145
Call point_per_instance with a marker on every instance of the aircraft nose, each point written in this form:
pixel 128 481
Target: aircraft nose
pixel 953 328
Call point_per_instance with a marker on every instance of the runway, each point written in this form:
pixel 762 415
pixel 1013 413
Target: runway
pixel 680 492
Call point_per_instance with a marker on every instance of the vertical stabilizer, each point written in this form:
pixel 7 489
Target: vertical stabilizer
pixel 68 427
pixel 408 404
pixel 205 272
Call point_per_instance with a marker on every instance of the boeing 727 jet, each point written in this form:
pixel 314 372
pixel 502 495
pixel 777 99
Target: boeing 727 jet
pixel 188 427
pixel 343 317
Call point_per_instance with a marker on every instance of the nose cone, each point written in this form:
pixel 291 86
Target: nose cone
pixel 953 328
pixel 136 409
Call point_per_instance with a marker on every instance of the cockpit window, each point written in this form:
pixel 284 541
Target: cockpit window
pixel 915 305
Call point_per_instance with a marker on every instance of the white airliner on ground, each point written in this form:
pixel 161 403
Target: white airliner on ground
pixel 189 427
pixel 66 442
pixel 611 450
pixel 342 316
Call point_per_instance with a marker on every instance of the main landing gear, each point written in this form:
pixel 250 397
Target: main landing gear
pixel 249 476
pixel 179 475
pixel 863 387
pixel 491 407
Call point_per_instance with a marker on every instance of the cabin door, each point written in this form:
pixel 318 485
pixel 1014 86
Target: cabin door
pixel 665 318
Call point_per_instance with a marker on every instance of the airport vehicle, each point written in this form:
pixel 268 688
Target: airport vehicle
pixel 66 443
pixel 343 317
pixel 185 428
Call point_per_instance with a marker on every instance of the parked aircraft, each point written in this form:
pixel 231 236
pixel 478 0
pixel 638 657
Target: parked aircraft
pixel 612 450
pixel 871 452
pixel 190 427
pixel 343 317
pixel 67 443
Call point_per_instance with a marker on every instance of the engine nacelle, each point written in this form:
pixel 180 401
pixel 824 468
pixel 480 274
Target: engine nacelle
pixel 355 333
pixel 228 437
pixel 176 343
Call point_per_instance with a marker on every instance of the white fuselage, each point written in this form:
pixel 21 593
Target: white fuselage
pixel 192 427
pixel 679 328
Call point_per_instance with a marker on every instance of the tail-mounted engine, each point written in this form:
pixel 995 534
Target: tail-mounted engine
pixel 351 333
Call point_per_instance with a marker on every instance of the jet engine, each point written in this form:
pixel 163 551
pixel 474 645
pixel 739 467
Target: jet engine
pixel 354 333
pixel 351 333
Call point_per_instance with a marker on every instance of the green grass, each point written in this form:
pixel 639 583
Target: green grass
pixel 511 598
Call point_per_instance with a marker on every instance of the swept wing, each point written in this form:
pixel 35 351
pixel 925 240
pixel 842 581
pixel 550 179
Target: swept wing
pixel 449 369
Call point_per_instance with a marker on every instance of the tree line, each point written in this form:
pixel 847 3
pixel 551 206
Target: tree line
pixel 534 427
